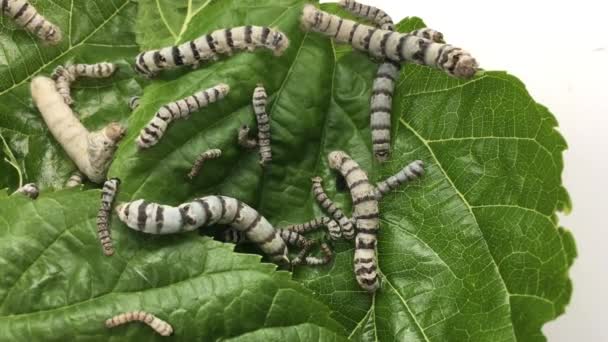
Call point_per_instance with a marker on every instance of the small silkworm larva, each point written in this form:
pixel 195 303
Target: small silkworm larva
pixel 25 15
pixel 198 163
pixel 65 75
pixel 161 327
pixel 108 193
pixel 393 46
pixel 244 140
pixel 366 215
pixel 134 103
pixel 30 190
pixel 210 47
pixel 156 128
pixel 259 107
pixel 75 180
pixel 153 218
pixel 409 173
pixel 374 14
pixel 316 261
pixel 346 224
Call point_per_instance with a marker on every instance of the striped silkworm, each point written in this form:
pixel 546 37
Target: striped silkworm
pixel 393 46
pixel 210 47
pixel 198 163
pixel 154 218
pixel 409 173
pixel 65 75
pixel 316 261
pixel 134 103
pixel 75 180
pixel 30 190
pixel 259 107
pixel 244 140
pixel 366 216
pixel 161 327
pixel 332 227
pixel 25 15
pixel 346 224
pixel 374 14
pixel 108 193
pixel 156 128
pixel 92 152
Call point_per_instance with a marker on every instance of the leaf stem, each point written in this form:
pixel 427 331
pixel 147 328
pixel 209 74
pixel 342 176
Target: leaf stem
pixel 12 160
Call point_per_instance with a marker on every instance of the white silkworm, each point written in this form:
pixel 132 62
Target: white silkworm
pixel 75 180
pixel 65 75
pixel 134 102
pixel 374 14
pixel 156 128
pixel 30 190
pixel 92 152
pixel 161 327
pixel 198 164
pixel 108 193
pixel 409 173
pixel 154 218
pixel 244 140
pixel 211 46
pixel 259 107
pixel 366 215
pixel 384 44
pixel 26 16
pixel 346 225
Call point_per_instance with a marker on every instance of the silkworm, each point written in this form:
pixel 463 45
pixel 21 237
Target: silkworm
pixel 64 76
pixel 366 216
pixel 156 128
pixel 409 173
pixel 161 327
pixel 134 102
pixel 346 224
pixel 92 152
pixel 374 14
pixel 211 46
pixel 259 107
pixel 30 190
pixel 393 46
pixel 26 16
pixel 75 180
pixel 154 218
pixel 332 226
pixel 108 193
pixel 316 261
pixel 244 140
pixel 198 164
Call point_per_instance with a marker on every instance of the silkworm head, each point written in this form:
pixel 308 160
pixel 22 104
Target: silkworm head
pixel 223 88
pixel 54 36
pixel 308 17
pixel 465 66
pixel 317 180
pixel 279 42
pixel 335 159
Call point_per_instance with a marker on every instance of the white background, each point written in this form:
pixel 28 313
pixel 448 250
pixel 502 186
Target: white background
pixel 559 49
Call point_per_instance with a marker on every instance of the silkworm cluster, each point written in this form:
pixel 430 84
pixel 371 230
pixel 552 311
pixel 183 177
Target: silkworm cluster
pixel 161 327
pixel 210 46
pixel 65 75
pixel 108 193
pixel 26 16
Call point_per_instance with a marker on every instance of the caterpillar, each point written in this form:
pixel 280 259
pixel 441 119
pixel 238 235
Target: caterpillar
pixel 65 75
pixel 155 129
pixel 75 180
pixel 316 261
pixel 154 218
pixel 134 102
pixel 393 46
pixel 346 225
pixel 198 164
pixel 374 14
pixel 409 173
pixel 30 190
pixel 366 216
pixel 161 327
pixel 92 152
pixel 332 227
pixel 108 193
pixel 26 16
pixel 244 140
pixel 259 107
pixel 211 46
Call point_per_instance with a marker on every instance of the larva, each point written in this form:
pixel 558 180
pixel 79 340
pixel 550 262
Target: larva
pixel 154 218
pixel 316 261
pixel 211 46
pixel 161 327
pixel 346 225
pixel 409 173
pixel 259 107
pixel 108 193
pixel 244 140
pixel 92 152
pixel 198 164
pixel 75 180
pixel 134 102
pixel 332 227
pixel 65 75
pixel 393 46
pixel 374 14
pixel 155 129
pixel 366 216
pixel 30 190
pixel 26 16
